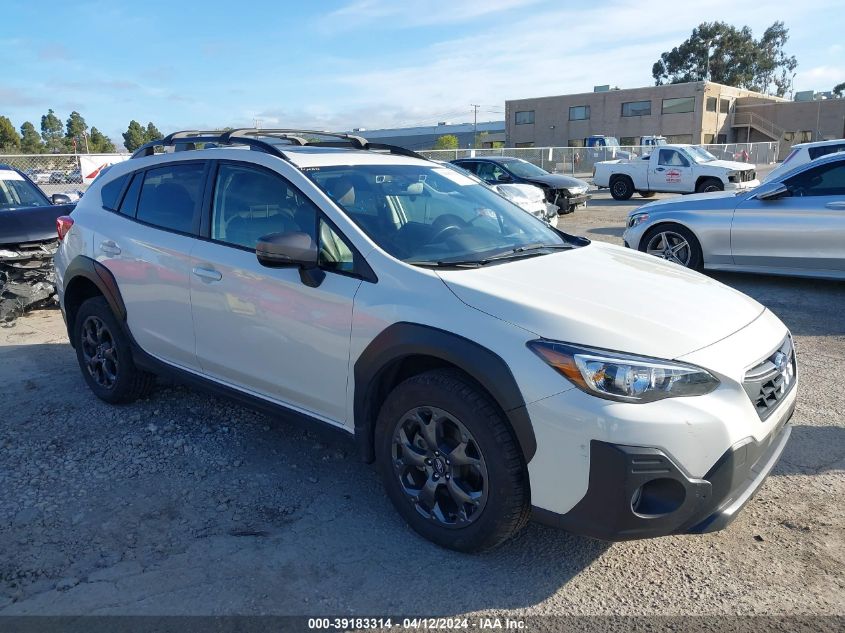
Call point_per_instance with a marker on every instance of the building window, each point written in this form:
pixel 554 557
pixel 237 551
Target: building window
pixel 579 113
pixel 721 139
pixel 711 104
pixel 679 106
pixel 679 138
pixel 628 140
pixel 528 144
pixel 725 106
pixel 526 116
pixel 709 138
pixel 636 108
pixel 576 142
pixel 805 136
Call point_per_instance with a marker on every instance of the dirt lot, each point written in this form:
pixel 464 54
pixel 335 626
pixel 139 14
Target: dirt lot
pixel 187 504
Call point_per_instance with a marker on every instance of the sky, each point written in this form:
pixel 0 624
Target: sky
pixel 340 64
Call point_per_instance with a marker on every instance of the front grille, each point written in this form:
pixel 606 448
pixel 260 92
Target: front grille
pixel 770 380
pixel 748 175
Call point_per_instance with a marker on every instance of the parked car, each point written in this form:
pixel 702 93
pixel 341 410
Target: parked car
pixel 485 361
pixel 651 142
pixel 674 169
pixel 565 192
pixel 27 242
pixel 606 148
pixel 792 225
pixel 804 153
pixel 39 176
pixel 529 198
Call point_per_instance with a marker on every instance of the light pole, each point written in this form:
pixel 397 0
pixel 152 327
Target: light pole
pixel 474 124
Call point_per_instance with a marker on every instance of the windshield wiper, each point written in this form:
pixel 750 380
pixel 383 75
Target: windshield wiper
pixel 529 250
pixel 472 263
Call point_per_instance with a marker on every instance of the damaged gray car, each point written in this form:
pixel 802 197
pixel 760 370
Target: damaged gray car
pixel 28 240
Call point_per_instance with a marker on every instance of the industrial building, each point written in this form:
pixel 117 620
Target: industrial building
pixel 695 112
pixel 490 134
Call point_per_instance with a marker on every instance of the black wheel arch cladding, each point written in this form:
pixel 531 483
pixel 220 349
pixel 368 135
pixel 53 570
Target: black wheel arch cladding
pixel 82 267
pixel 404 340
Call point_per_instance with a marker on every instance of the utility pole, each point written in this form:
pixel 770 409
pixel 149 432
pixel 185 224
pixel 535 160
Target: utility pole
pixel 474 124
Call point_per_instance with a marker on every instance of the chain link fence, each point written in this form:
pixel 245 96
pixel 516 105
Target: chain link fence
pixel 53 173
pixel 579 161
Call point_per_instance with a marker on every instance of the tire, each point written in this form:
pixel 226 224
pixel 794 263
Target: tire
pixel 709 184
pixel 621 188
pixel 105 357
pixel 646 194
pixel 472 427
pixel 652 242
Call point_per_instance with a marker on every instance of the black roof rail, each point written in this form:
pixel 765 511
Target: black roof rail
pixel 251 137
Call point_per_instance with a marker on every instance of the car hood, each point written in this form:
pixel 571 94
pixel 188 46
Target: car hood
pixel 728 164
pixel 557 181
pixel 607 296
pixel 31 224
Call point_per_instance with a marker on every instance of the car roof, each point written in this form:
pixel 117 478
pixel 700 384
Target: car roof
pixel 821 160
pixel 499 159
pixel 835 141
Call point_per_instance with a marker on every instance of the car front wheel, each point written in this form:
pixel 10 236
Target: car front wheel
pixel 450 462
pixel 674 243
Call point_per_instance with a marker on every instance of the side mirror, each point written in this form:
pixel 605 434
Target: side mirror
pixel 60 198
pixel 295 249
pixel 503 178
pixel 771 191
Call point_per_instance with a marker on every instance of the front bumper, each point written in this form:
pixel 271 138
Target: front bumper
pixel 636 492
pixel 742 186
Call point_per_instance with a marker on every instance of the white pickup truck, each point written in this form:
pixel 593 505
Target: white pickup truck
pixel 673 169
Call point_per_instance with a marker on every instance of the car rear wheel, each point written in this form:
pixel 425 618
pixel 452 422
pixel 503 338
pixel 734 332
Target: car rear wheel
pixel 621 188
pixel 450 462
pixel 105 357
pixel 646 194
pixel 674 243
pixel 709 185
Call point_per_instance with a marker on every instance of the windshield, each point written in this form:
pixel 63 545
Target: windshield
pixel 611 141
pixel 434 215
pixel 699 154
pixel 16 191
pixel 524 169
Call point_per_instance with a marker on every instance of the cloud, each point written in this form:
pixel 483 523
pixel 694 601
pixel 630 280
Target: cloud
pixel 54 52
pixel 15 97
pixel 821 77
pixel 416 14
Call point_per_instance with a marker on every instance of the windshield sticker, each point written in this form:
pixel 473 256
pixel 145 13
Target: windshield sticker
pixel 8 174
pixel 458 179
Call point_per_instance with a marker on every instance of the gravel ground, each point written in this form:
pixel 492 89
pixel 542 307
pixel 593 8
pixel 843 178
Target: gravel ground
pixel 186 504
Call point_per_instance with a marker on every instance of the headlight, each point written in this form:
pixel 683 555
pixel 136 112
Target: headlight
pixel 733 176
pixel 624 377
pixel 637 218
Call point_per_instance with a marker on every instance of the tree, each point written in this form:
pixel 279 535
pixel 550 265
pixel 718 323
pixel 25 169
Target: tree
pixel 134 136
pixel 76 130
pixel 447 141
pixel 724 54
pixel 30 140
pixel 152 133
pixel 52 131
pixel 839 89
pixel 10 140
pixel 99 143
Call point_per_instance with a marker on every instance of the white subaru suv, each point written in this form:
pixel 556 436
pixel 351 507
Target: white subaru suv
pixel 489 364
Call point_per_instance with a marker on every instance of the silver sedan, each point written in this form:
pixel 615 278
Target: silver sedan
pixel 792 225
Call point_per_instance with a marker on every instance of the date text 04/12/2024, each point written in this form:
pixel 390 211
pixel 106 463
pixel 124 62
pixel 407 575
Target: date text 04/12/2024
pixel 482 623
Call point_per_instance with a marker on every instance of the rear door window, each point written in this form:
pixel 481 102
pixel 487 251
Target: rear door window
pixel 111 191
pixel 170 196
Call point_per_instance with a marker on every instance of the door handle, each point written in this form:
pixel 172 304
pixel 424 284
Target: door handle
pixel 660 169
pixel 208 274
pixel 839 204
pixel 109 248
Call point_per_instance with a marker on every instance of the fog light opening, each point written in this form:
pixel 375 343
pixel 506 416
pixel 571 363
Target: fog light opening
pixel 657 498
